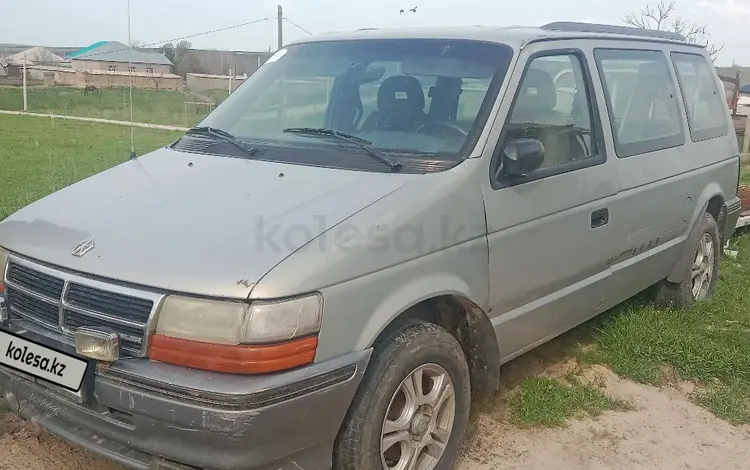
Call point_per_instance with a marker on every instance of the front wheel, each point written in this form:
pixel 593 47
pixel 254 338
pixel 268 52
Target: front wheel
pixel 412 408
pixel 698 281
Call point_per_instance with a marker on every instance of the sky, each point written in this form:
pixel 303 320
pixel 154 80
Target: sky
pixel 82 22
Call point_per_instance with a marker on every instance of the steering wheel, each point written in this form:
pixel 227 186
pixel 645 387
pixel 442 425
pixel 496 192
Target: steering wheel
pixel 441 125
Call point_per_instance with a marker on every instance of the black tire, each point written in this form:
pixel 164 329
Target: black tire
pixel 419 343
pixel 680 295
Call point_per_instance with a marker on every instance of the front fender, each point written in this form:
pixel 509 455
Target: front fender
pixel 407 296
pixel 358 310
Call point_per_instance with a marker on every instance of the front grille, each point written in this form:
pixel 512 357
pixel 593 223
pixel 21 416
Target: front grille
pixel 131 338
pixel 110 303
pixel 32 308
pixel 48 286
pixel 39 295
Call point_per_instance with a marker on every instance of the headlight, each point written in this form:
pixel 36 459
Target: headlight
pixel 270 322
pixel 208 321
pixel 263 336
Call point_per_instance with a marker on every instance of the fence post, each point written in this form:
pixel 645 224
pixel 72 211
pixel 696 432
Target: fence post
pixel 746 137
pixel 25 99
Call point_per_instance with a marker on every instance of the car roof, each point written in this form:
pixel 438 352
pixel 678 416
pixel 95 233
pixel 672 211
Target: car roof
pixel 514 36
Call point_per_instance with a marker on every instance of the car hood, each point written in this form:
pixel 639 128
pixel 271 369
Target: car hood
pixel 199 224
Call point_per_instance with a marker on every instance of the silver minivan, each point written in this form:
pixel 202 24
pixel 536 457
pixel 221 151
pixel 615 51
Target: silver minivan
pixel 322 272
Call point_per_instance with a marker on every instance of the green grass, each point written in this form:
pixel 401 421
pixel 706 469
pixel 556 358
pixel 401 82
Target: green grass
pixel 40 155
pixel 745 174
pixel 726 402
pixel 149 106
pixel 544 401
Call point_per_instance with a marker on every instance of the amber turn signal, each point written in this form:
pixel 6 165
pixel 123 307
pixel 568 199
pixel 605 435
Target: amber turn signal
pixel 234 359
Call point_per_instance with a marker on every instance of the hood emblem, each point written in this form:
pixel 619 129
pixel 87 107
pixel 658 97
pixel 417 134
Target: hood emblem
pixel 83 247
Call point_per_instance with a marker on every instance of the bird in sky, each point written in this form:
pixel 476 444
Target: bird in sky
pixel 413 10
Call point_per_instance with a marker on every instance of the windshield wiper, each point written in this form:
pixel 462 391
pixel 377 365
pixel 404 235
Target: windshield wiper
pixel 394 165
pixel 225 136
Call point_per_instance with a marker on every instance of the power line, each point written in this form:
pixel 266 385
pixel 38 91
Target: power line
pixel 209 32
pixel 298 26
pixel 157 43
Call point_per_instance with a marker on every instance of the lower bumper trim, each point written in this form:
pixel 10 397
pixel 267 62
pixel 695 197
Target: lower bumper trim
pixel 230 402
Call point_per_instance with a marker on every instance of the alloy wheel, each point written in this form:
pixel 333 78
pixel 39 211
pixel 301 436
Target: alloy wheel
pixel 419 420
pixel 702 270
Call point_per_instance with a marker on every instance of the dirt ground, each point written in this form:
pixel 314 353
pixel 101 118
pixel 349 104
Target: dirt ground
pixel 665 430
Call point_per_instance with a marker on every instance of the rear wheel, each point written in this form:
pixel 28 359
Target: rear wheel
pixel 698 281
pixel 412 408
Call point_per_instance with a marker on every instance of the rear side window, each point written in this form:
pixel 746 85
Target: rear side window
pixel 641 99
pixel 705 105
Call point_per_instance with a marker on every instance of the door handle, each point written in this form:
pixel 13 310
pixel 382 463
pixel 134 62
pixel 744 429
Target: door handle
pixel 599 217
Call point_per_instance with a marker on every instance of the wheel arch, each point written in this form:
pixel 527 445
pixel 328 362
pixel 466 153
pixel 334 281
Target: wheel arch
pixel 712 202
pixel 467 322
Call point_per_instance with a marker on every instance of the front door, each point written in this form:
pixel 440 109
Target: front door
pixel 550 232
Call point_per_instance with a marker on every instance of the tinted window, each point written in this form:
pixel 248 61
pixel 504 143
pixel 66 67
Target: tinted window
pixel 706 106
pixel 642 101
pixel 553 106
pixel 420 98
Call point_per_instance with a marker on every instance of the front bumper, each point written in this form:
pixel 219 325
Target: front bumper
pixel 734 208
pixel 147 415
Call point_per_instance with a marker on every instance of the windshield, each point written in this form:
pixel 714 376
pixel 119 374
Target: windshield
pixel 423 98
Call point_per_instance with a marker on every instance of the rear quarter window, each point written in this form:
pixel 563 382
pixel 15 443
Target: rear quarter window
pixel 704 102
pixel 644 111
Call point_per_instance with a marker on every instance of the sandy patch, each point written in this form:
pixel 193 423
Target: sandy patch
pixel 665 431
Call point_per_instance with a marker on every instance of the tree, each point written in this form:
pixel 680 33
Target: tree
pixel 185 60
pixel 168 50
pixel 663 17
pixel 182 50
pixel 156 78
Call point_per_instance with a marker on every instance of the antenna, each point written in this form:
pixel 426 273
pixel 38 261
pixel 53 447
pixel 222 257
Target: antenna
pixel 280 25
pixel 130 71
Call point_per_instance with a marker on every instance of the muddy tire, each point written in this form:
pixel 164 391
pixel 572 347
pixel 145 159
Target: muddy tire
pixel 698 281
pixel 413 402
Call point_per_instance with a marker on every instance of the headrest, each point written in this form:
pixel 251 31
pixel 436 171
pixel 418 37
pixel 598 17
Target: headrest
pixel 400 92
pixel 538 91
pixel 651 68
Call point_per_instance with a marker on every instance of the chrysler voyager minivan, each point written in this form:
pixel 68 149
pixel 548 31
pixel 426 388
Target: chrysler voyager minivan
pixel 322 272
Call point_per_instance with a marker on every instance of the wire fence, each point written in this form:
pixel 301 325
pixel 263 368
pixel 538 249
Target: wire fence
pixel 96 82
pixel 157 97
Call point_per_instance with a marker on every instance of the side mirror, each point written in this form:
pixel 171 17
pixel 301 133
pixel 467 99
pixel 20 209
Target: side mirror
pixel 522 156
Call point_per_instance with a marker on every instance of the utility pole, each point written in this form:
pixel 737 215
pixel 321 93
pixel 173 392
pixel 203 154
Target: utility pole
pixel 25 100
pixel 130 72
pixel 280 26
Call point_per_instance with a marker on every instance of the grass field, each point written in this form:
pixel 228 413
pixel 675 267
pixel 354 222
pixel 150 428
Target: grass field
pixel 40 155
pixel 708 344
pixel 149 106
